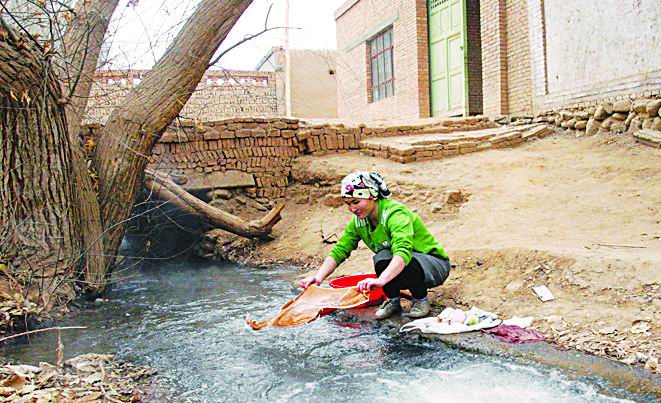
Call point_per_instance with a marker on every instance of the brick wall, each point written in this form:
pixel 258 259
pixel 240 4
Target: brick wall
pixel 519 78
pixel 494 56
pixel 220 94
pixel 422 32
pixel 506 57
pixel 266 147
pixel 356 22
pixel 474 42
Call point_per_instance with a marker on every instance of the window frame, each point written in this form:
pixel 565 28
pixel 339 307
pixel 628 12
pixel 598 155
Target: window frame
pixel 381 65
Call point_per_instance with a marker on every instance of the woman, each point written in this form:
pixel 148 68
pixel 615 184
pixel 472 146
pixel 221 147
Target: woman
pixel 407 255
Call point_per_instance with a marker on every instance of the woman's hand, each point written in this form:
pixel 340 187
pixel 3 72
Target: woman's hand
pixel 369 283
pixel 305 283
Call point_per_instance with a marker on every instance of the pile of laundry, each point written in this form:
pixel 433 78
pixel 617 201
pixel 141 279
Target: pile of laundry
pixel 453 320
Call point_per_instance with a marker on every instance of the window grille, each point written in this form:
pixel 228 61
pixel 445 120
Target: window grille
pixel 382 77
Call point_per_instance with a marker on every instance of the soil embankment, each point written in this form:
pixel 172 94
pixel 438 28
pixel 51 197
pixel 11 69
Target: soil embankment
pixel 579 215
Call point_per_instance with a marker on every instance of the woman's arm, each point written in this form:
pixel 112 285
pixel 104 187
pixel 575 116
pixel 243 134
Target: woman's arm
pixel 395 267
pixel 324 271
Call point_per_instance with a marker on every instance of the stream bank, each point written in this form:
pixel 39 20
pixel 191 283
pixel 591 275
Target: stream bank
pixel 579 215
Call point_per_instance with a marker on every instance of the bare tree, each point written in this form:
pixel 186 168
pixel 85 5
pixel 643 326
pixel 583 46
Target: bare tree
pixel 52 225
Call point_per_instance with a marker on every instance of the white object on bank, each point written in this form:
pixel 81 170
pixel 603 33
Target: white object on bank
pixel 543 293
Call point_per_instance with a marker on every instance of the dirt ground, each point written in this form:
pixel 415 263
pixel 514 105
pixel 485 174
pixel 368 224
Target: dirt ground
pixel 579 215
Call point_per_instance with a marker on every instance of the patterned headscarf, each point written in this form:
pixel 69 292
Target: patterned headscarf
pixel 364 185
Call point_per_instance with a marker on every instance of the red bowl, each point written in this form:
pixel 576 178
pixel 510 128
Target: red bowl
pixel 376 295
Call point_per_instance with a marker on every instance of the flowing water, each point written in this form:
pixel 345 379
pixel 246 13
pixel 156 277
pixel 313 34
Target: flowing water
pixel 187 321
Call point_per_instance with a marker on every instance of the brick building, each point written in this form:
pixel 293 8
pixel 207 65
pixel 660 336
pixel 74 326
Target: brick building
pixel 415 59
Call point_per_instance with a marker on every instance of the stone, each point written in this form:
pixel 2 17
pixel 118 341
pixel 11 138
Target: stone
pixel 606 124
pixel 220 194
pixel 436 208
pixel 656 125
pixel 571 123
pixel 619 116
pixel 332 200
pixel 223 180
pixel 550 119
pixel 580 125
pixel 636 124
pixel 647 123
pixel 629 118
pixel 564 125
pixel 455 197
pixel 581 115
pixel 652 107
pixel 618 126
pixel 592 126
pixel 600 113
pixel 639 105
pixel 622 106
pixel 608 106
pixel 565 115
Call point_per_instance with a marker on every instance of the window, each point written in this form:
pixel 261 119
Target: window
pixel 382 82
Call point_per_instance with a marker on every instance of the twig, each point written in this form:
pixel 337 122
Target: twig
pixel 41 330
pixel 608 245
pixel 248 37
pixel 327 239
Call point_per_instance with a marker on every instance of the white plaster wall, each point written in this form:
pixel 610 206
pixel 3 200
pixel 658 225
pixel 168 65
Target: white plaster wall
pixel 592 42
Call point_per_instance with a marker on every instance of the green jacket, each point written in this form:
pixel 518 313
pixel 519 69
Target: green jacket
pixel 399 229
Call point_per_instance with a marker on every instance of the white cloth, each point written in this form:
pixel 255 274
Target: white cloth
pixel 435 326
pixel 519 321
pixel 452 320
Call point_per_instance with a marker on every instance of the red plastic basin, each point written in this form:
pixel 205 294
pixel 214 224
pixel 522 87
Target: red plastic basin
pixel 376 295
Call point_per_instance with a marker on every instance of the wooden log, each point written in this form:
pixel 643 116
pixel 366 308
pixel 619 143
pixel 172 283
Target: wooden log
pixel 166 189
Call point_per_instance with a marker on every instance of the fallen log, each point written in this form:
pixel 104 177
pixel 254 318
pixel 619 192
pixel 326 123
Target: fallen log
pixel 166 189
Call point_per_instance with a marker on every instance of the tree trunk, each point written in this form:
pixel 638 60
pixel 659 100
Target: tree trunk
pixel 81 47
pixel 132 129
pixel 39 216
pixel 166 189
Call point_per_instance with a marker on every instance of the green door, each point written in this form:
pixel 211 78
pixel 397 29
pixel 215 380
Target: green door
pixel 447 63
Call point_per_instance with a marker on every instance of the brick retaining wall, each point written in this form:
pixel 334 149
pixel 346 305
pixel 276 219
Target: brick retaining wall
pixel 266 147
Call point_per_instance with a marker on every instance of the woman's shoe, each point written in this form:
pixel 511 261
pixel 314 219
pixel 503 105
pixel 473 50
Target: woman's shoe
pixel 419 308
pixel 388 308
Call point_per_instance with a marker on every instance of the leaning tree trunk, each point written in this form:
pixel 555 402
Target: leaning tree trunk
pixel 134 128
pixel 166 189
pixel 40 220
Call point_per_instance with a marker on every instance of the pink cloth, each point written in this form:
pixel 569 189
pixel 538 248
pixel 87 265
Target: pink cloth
pixel 515 334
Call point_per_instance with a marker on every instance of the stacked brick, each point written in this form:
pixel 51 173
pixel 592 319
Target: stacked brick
pixel 266 147
pixel 323 139
pixel 440 146
pixel 263 147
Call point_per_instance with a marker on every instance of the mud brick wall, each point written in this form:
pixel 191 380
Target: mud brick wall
pixel 266 147
pixel 263 147
pixel 324 139
pixel 219 95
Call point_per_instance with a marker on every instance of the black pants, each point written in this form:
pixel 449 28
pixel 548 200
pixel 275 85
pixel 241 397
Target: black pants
pixel 412 278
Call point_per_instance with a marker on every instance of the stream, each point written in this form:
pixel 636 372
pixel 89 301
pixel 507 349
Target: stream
pixel 187 320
